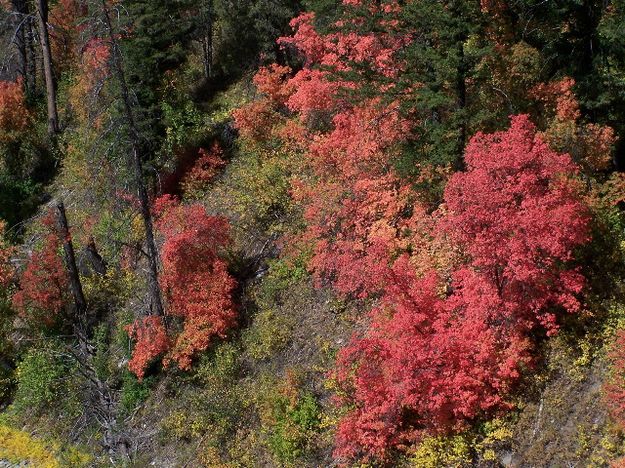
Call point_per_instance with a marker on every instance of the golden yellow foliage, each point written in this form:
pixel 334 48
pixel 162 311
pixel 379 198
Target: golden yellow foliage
pixel 18 446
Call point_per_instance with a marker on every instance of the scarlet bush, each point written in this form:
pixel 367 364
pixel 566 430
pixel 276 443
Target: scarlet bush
pixel 431 362
pixel 518 215
pixel 14 116
pixel 151 341
pixel 195 282
pixel 43 284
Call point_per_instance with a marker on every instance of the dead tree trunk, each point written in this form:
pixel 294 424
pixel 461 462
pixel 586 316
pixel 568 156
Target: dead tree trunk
pixel 136 163
pixel 31 60
pixel 99 401
pixel 22 38
pixel 206 39
pixel 70 260
pixel 19 36
pixel 48 73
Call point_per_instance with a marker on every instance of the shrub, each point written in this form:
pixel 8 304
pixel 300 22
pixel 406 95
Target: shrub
pixel 134 391
pixel 270 331
pixel 41 376
pixel 290 417
pixel 18 446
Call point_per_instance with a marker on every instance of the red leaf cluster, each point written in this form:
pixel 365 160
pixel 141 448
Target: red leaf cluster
pixel 151 341
pixel 194 279
pixel 517 213
pixel 43 284
pixel 437 357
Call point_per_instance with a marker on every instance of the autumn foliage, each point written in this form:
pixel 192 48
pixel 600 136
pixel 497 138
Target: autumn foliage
pixel 65 17
pixel 614 388
pixel 463 288
pixel 442 352
pixel 14 116
pixel 589 144
pixel 151 341
pixel 6 252
pixel 43 284
pixel 93 70
pixel 204 170
pixel 195 282
pixel 517 213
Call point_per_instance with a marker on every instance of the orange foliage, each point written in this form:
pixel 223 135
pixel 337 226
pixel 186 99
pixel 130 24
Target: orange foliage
pixel 271 82
pixel 256 120
pixel 588 144
pixel 64 30
pixel 14 117
pixel 151 341
pixel 94 68
pixel 204 170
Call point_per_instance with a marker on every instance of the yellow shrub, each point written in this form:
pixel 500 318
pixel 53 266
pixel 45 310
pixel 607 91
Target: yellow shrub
pixel 433 452
pixel 18 446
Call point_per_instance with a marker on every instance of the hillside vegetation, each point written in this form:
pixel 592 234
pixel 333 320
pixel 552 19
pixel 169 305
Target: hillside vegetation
pixel 305 233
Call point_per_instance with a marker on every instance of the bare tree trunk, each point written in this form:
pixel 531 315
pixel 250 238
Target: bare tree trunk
pixel 22 38
pixel 207 54
pixel 207 38
pixel 135 140
pixel 44 38
pixel 99 401
pixel 70 260
pixel 19 37
pixel 31 56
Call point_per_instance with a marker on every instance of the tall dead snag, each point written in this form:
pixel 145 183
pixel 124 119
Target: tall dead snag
pixel 206 37
pixel 99 400
pixel 48 73
pixel 22 37
pixel 72 270
pixel 136 163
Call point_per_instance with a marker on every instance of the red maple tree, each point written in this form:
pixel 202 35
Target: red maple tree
pixel 441 353
pixel 151 341
pixel 195 282
pixel 43 284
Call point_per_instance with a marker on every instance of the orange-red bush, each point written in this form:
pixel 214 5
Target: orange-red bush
pixel 195 282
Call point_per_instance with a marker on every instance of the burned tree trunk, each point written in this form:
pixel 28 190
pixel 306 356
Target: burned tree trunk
pixel 136 163
pixel 98 399
pixel 70 260
pixel 48 73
